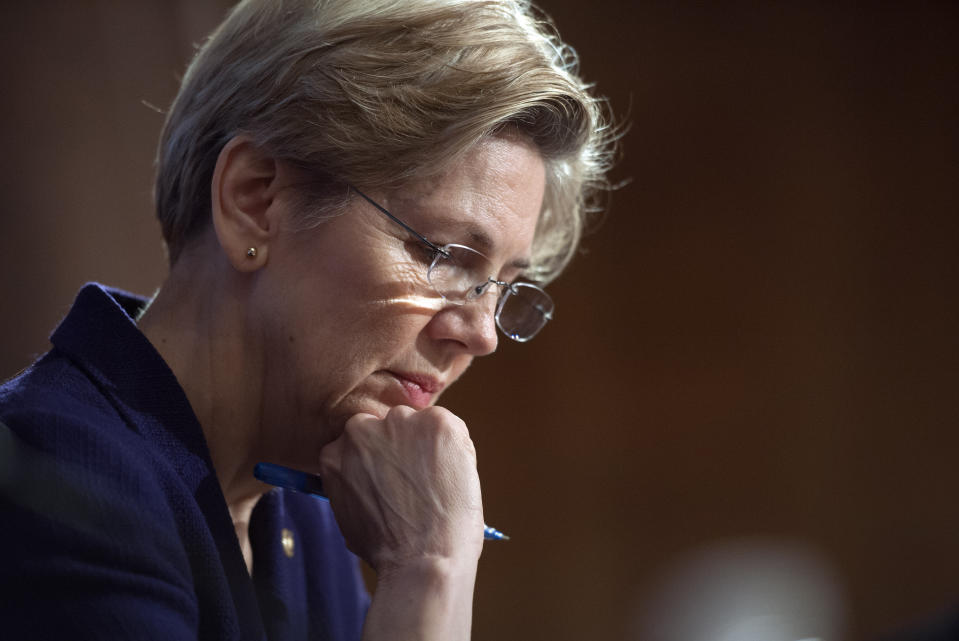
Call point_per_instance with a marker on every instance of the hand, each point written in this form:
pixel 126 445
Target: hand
pixel 405 488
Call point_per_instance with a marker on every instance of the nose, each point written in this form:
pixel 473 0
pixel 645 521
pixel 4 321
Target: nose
pixel 472 325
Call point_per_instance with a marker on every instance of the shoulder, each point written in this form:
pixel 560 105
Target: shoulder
pixel 50 386
pixel 82 507
pixel 58 420
pixel 64 444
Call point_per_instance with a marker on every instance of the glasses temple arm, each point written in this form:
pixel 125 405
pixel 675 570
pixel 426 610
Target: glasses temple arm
pixel 399 222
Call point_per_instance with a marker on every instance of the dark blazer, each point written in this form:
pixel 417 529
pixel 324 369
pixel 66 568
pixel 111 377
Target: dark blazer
pixel 112 522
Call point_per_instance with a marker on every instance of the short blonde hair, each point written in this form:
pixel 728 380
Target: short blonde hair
pixel 377 93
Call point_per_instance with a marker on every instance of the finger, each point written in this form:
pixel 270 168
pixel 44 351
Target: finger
pixel 330 458
pixel 360 423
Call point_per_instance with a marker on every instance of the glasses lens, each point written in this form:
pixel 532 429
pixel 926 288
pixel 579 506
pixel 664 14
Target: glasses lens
pixel 461 275
pixel 523 311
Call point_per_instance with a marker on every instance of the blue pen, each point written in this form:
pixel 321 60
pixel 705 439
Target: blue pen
pixel 312 484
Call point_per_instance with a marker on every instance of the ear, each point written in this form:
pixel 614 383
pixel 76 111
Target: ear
pixel 244 185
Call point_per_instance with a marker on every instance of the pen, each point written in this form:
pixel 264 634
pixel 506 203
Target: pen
pixel 307 483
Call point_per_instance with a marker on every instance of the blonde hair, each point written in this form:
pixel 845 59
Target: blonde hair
pixel 382 92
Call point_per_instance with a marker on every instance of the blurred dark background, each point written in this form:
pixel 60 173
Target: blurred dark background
pixel 758 347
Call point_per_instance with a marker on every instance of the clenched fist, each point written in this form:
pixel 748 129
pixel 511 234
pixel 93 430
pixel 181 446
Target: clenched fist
pixel 405 489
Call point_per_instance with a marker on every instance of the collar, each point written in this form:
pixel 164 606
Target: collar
pixel 100 336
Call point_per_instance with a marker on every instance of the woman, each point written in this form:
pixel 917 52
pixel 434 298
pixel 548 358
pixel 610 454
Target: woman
pixel 340 186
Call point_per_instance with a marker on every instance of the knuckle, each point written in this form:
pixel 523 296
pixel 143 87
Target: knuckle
pixel 441 415
pixel 358 422
pixel 400 412
pixel 445 423
pixel 353 422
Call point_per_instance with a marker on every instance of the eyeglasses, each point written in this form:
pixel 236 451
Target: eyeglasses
pixel 461 275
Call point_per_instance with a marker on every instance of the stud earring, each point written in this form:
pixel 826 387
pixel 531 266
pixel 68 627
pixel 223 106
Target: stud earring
pixel 251 252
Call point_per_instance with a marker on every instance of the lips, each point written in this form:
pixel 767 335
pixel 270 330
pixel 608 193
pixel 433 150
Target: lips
pixel 419 389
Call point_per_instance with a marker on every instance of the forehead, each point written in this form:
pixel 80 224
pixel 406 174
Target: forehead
pixel 490 200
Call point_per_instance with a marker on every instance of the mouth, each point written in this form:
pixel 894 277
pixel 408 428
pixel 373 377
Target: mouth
pixel 419 390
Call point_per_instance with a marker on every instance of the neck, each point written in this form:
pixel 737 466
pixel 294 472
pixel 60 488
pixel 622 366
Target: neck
pixel 198 325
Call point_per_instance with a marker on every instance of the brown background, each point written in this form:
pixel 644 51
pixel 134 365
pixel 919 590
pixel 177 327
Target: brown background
pixel 760 341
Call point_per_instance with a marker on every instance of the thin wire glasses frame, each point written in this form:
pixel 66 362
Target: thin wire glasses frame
pixel 530 310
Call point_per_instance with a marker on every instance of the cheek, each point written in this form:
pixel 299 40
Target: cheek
pixel 348 312
pixel 349 340
pixel 394 278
